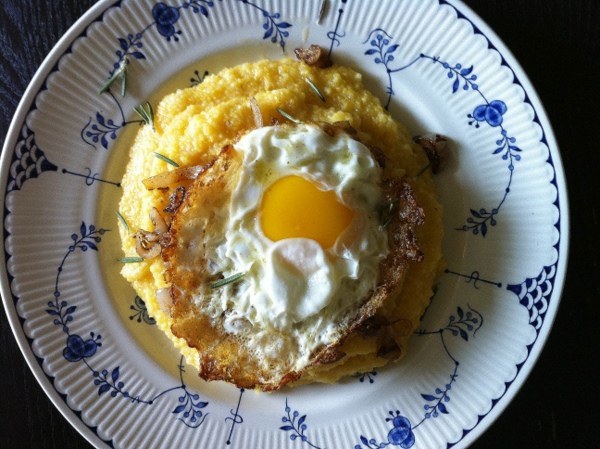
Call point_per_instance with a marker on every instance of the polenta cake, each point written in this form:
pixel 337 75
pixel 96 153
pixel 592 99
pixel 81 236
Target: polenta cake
pixel 297 239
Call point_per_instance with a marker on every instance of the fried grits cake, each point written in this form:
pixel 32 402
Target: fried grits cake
pixel 299 238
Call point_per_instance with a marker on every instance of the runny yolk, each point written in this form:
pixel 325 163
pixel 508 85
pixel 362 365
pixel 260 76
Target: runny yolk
pixel 295 207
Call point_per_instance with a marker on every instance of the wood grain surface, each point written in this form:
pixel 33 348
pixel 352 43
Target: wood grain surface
pixel 557 42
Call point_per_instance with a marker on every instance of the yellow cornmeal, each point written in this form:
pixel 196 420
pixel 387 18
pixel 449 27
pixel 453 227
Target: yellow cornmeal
pixel 193 124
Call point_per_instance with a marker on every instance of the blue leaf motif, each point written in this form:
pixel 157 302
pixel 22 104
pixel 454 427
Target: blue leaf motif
pixel 455 85
pixel 392 48
pixel 70 310
pixel 103 389
pixel 296 425
pixel 91 245
pixel 467 71
pixel 115 374
pixel 178 409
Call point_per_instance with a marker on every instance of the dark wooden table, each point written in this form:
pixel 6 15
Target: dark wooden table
pixel 558 44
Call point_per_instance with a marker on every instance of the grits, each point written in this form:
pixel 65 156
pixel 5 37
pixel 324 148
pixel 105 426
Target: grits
pixel 192 126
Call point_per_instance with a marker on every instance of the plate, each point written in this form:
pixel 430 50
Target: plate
pixel 436 67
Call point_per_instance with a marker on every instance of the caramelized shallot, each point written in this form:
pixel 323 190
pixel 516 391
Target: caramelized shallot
pixel 435 147
pixel 256 114
pixel 149 244
pixel 160 224
pixel 314 56
pixel 146 244
pixel 173 177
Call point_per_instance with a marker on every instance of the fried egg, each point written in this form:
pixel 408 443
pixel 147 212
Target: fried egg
pixel 302 238
pixel 304 230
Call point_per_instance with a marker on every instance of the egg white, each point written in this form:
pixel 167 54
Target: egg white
pixel 294 286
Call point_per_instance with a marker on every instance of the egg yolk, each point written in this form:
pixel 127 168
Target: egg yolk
pixel 293 207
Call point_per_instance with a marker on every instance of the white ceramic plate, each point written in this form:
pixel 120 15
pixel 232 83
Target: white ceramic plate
pixel 438 68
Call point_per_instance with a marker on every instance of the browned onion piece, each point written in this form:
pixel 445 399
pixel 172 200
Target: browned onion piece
pixel 258 118
pixel 146 244
pixel 314 56
pixel 150 244
pixel 435 148
pixel 160 224
pixel 173 177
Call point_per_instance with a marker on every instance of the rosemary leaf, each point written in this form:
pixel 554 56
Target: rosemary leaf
pixel 146 113
pixel 120 73
pixel 386 214
pixel 123 84
pixel 164 158
pixel 131 260
pixel 123 221
pixel 322 10
pixel 315 89
pixel 288 116
pixel 228 280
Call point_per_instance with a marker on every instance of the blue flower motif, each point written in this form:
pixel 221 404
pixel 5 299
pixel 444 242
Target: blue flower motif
pixel 491 113
pixel 77 349
pixel 166 17
pixel 401 434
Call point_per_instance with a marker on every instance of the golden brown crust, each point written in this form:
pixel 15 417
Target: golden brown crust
pixel 405 216
pixel 222 355
pixel 435 148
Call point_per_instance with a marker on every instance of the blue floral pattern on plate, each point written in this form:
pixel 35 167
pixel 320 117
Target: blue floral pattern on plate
pixel 34 163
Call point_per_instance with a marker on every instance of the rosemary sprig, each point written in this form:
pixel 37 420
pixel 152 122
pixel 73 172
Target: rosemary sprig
pixel 120 73
pixel 228 280
pixel 164 158
pixel 286 115
pixel 131 260
pixel 315 89
pixel 123 221
pixel 146 113
pixel 322 9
